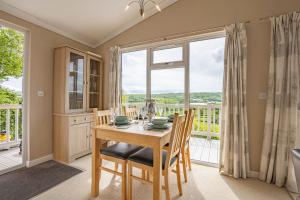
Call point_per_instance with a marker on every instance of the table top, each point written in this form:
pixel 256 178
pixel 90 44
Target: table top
pixel 136 129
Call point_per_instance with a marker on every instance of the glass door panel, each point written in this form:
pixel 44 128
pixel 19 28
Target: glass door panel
pixel 94 89
pixel 167 88
pixel 134 69
pixel 76 81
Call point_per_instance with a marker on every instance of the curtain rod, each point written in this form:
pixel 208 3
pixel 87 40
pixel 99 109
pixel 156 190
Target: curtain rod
pixel 175 36
pixel 268 17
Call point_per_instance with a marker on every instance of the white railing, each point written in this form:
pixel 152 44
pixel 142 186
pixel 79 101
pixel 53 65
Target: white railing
pixel 207 119
pixel 10 125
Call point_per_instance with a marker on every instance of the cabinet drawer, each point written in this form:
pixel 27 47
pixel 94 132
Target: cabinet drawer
pixel 79 119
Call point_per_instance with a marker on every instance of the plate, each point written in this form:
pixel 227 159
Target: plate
pixel 165 126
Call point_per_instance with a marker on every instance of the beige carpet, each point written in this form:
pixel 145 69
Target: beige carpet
pixel 204 183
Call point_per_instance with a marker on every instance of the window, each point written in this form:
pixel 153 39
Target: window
pixel 167 55
pixel 134 77
pixel 175 73
pixel 167 86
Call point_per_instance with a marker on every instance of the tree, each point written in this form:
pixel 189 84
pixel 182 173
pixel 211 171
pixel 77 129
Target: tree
pixel 8 96
pixel 11 53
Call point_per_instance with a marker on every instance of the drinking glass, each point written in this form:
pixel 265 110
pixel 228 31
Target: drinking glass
pixel 113 116
pixel 143 112
pixel 160 110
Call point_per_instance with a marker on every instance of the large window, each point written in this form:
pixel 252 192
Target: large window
pixel 134 77
pixel 183 73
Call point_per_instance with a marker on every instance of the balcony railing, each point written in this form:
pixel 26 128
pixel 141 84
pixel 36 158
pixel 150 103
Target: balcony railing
pixel 207 117
pixel 10 125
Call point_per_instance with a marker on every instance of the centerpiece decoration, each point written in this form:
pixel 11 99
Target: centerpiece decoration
pixel 150 104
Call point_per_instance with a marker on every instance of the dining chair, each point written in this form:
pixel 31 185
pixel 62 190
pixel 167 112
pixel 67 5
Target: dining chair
pixel 185 148
pixel 143 159
pixel 117 153
pixel 130 112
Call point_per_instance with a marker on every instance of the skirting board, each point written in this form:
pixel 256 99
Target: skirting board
pixel 253 174
pixel 37 161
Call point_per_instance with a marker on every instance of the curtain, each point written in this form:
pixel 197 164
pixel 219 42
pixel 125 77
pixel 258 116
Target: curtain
pixel 282 112
pixel 115 78
pixel 234 154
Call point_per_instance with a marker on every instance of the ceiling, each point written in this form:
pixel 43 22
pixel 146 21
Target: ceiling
pixel 91 22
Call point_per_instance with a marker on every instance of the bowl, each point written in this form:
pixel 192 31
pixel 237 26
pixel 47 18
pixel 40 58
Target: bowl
pixel 160 121
pixel 121 119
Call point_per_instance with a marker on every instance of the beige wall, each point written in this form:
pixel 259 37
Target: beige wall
pixel 41 78
pixel 192 15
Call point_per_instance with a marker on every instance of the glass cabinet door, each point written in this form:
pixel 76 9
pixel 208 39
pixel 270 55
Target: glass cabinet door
pixel 76 80
pixel 94 82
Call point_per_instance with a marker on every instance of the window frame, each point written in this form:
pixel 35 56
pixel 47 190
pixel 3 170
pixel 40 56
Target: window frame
pixel 183 42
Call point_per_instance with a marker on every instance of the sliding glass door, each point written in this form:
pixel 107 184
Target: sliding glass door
pixel 179 75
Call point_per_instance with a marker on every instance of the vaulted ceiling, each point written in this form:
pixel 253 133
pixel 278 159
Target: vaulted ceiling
pixel 91 22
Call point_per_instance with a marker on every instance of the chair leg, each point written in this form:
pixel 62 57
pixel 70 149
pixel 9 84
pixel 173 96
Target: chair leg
pixel 178 176
pixel 167 189
pixel 183 155
pixel 124 180
pixel 129 192
pixel 189 157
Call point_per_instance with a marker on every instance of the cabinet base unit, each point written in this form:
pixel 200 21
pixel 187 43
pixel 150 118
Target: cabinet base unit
pixel 72 136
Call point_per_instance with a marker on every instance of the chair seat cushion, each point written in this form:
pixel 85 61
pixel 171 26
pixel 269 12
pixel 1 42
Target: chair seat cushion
pixel 120 150
pixel 145 156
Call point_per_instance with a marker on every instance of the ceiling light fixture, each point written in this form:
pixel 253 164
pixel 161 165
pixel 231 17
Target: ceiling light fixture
pixel 142 4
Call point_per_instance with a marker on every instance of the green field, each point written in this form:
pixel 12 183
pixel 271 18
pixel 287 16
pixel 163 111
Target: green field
pixel 201 116
pixel 175 98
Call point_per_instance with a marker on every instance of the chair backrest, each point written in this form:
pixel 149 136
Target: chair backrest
pixel 102 116
pixel 175 138
pixel 130 112
pixel 187 132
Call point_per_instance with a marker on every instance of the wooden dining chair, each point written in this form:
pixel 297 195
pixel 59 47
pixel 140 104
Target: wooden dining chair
pixel 143 159
pixel 116 153
pixel 185 148
pixel 130 112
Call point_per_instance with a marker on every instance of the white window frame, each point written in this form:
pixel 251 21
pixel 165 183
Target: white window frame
pixel 183 42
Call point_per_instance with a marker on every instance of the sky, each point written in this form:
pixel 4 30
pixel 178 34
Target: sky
pixel 206 69
pixel 13 84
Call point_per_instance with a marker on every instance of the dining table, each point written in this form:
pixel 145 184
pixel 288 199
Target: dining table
pixel 135 133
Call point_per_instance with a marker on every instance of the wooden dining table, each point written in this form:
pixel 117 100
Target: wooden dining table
pixel 133 134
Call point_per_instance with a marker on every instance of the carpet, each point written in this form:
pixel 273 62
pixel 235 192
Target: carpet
pixel 26 183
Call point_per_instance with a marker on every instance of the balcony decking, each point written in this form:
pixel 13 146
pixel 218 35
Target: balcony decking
pixel 205 150
pixel 10 158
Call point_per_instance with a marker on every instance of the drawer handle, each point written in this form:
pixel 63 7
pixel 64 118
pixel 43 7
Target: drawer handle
pixel 75 120
pixel 85 118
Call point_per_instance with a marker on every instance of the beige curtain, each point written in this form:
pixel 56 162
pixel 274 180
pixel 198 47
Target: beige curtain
pixel 234 154
pixel 282 112
pixel 115 78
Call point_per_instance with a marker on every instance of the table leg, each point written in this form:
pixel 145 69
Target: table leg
pixel 95 165
pixel 157 172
